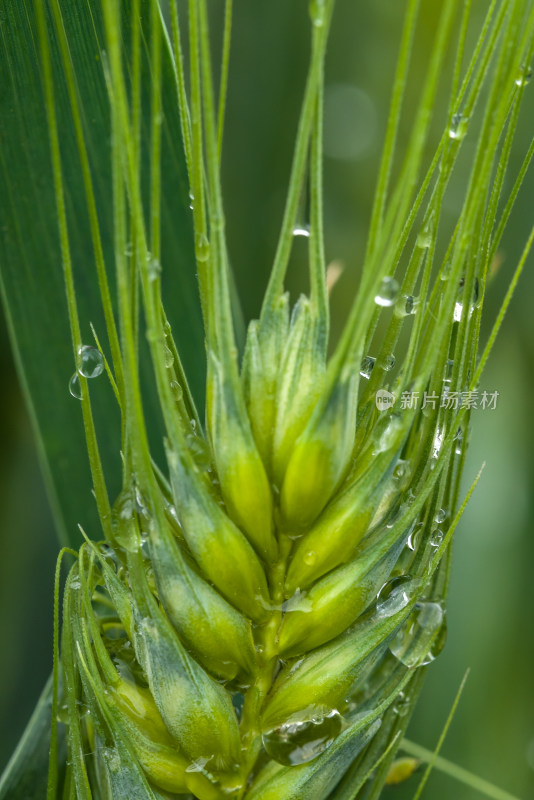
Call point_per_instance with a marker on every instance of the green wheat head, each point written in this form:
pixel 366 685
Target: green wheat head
pixel 257 619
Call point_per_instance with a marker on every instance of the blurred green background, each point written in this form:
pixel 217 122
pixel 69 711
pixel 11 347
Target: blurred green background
pixel 491 612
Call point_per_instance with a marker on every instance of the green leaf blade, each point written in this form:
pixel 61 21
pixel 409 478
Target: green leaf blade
pixel 30 261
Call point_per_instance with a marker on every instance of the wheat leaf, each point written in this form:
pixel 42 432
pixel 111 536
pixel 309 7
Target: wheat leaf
pixel 31 273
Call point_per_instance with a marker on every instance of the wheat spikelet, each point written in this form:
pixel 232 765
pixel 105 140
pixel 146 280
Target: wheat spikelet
pixel 257 622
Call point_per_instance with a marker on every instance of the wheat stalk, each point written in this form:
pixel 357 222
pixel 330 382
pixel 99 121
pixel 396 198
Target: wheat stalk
pixel 258 620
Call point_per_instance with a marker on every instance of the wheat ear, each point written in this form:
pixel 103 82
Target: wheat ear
pixel 257 622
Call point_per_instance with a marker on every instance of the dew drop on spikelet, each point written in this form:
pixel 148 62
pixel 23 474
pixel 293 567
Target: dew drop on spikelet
pixel 388 292
pixel 90 362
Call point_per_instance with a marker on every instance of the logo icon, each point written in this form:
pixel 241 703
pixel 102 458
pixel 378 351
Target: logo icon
pixel 384 400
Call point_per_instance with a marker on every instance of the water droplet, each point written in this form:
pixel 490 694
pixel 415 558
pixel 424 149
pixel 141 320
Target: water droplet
pixel 389 435
pixel 436 537
pixel 128 250
pixel 122 520
pixel 458 309
pixel 191 200
pixel 317 12
pixel 297 742
pixel 310 558
pixel 429 615
pixel 458 127
pixel 438 442
pixel 422 637
pixel 176 390
pixel 387 293
pixel 193 424
pixel 524 76
pixel 168 356
pixel 389 362
pixel 301 230
pixel 401 469
pixel 393 515
pixel 200 451
pixel 202 247
pixel 395 595
pixel 441 515
pixel 140 504
pixel 424 238
pixel 448 370
pixel 458 441
pixel 402 704
pixel 410 497
pixel 366 367
pixel 75 387
pixel 414 538
pixel 153 267
pixel 406 305
pixel 90 362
